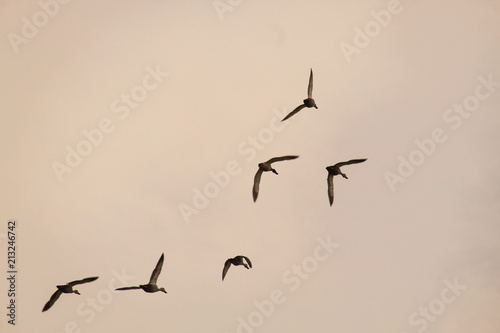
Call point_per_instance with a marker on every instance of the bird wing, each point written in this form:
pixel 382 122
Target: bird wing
pixel 330 187
pixel 52 300
pixel 282 158
pixel 248 261
pixel 350 162
pixel 227 264
pixel 128 288
pixel 157 271
pixel 310 87
pixel 86 280
pixel 256 182
pixel 297 109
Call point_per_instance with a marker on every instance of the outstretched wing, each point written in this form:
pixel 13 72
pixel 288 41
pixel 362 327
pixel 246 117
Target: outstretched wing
pixel 282 158
pixel 248 261
pixel 52 300
pixel 157 271
pixel 330 187
pixel 256 182
pixel 350 162
pixel 297 109
pixel 310 87
pixel 128 288
pixel 227 264
pixel 86 280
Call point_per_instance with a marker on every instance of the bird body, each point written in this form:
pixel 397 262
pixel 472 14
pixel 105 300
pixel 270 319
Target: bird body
pixel 236 261
pixel 150 287
pixel 66 289
pixel 264 167
pixel 334 170
pixel 309 102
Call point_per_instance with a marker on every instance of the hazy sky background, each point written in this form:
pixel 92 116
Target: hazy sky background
pixel 229 76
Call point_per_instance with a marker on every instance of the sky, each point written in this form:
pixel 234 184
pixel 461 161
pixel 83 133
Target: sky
pixel 134 128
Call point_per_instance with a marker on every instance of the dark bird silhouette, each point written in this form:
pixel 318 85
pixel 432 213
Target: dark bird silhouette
pixel 151 287
pixel 266 166
pixel 308 102
pixel 66 289
pixel 335 170
pixel 236 261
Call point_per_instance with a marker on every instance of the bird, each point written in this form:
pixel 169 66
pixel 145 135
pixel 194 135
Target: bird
pixel 66 289
pixel 266 166
pixel 308 102
pixel 151 287
pixel 237 261
pixel 335 170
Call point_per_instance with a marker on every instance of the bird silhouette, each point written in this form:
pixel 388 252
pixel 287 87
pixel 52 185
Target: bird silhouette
pixel 66 289
pixel 236 261
pixel 335 170
pixel 151 287
pixel 266 166
pixel 308 102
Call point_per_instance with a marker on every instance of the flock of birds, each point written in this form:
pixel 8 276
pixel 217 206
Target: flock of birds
pixel 151 286
pixel 333 170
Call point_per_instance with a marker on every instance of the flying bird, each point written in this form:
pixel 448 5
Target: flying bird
pixel 236 261
pixel 266 166
pixel 335 170
pixel 308 102
pixel 151 287
pixel 66 289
